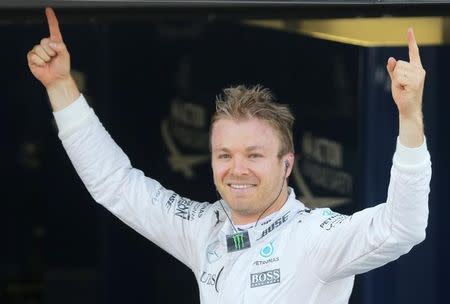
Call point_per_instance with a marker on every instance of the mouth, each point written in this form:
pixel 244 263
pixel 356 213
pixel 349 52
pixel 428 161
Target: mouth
pixel 241 186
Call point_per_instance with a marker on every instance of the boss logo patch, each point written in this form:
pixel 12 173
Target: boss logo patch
pixel 265 278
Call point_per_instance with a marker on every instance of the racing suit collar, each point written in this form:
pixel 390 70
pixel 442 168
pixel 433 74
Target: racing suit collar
pixel 289 209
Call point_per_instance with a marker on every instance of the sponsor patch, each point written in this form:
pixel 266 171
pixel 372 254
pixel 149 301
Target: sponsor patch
pixel 267 250
pixel 278 222
pixel 197 210
pixel 218 219
pixel 214 251
pixel 238 241
pixel 211 278
pixel 183 208
pixel 265 278
pixel 265 262
pixel 170 201
pixel 333 221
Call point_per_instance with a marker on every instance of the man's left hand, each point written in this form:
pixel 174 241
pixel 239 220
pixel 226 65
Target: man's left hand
pixel 407 80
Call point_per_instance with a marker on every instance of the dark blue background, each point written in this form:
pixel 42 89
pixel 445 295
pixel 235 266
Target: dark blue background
pixel 60 246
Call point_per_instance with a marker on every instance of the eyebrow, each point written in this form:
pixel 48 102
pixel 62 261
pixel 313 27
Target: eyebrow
pixel 252 148
pixel 248 149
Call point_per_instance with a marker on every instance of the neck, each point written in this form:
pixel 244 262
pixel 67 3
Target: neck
pixel 244 219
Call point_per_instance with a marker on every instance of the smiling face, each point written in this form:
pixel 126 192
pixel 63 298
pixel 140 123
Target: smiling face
pixel 248 172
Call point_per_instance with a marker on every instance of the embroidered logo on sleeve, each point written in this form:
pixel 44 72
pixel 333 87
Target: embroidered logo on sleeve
pixel 185 208
pixel 333 221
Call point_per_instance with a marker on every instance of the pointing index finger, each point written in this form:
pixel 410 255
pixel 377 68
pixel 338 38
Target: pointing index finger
pixel 55 33
pixel 414 56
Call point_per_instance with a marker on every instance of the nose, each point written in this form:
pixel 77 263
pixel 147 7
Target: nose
pixel 239 166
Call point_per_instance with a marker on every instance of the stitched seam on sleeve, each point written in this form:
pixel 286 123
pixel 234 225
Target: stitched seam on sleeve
pixel 377 247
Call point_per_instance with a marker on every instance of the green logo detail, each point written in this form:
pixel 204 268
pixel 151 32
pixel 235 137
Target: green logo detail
pixel 238 240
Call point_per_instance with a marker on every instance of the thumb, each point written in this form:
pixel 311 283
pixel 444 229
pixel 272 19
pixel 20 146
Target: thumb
pixel 391 66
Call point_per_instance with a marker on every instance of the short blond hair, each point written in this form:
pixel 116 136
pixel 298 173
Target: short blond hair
pixel 241 103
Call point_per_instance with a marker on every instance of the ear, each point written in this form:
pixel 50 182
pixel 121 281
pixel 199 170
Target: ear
pixel 289 159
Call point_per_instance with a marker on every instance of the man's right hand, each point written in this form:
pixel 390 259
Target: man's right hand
pixel 49 62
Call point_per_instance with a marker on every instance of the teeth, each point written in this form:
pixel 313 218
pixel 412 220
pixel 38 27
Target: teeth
pixel 240 186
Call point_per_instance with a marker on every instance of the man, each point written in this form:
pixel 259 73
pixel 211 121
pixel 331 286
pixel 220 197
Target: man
pixel 258 244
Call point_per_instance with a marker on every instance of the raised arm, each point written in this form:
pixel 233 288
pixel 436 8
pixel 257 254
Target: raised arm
pixel 345 246
pixel 407 81
pixel 49 62
pixel 165 218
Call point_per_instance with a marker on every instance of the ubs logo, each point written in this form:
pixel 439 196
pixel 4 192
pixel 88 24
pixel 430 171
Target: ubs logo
pixel 211 279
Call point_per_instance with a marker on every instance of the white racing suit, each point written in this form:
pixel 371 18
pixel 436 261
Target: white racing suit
pixel 299 256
